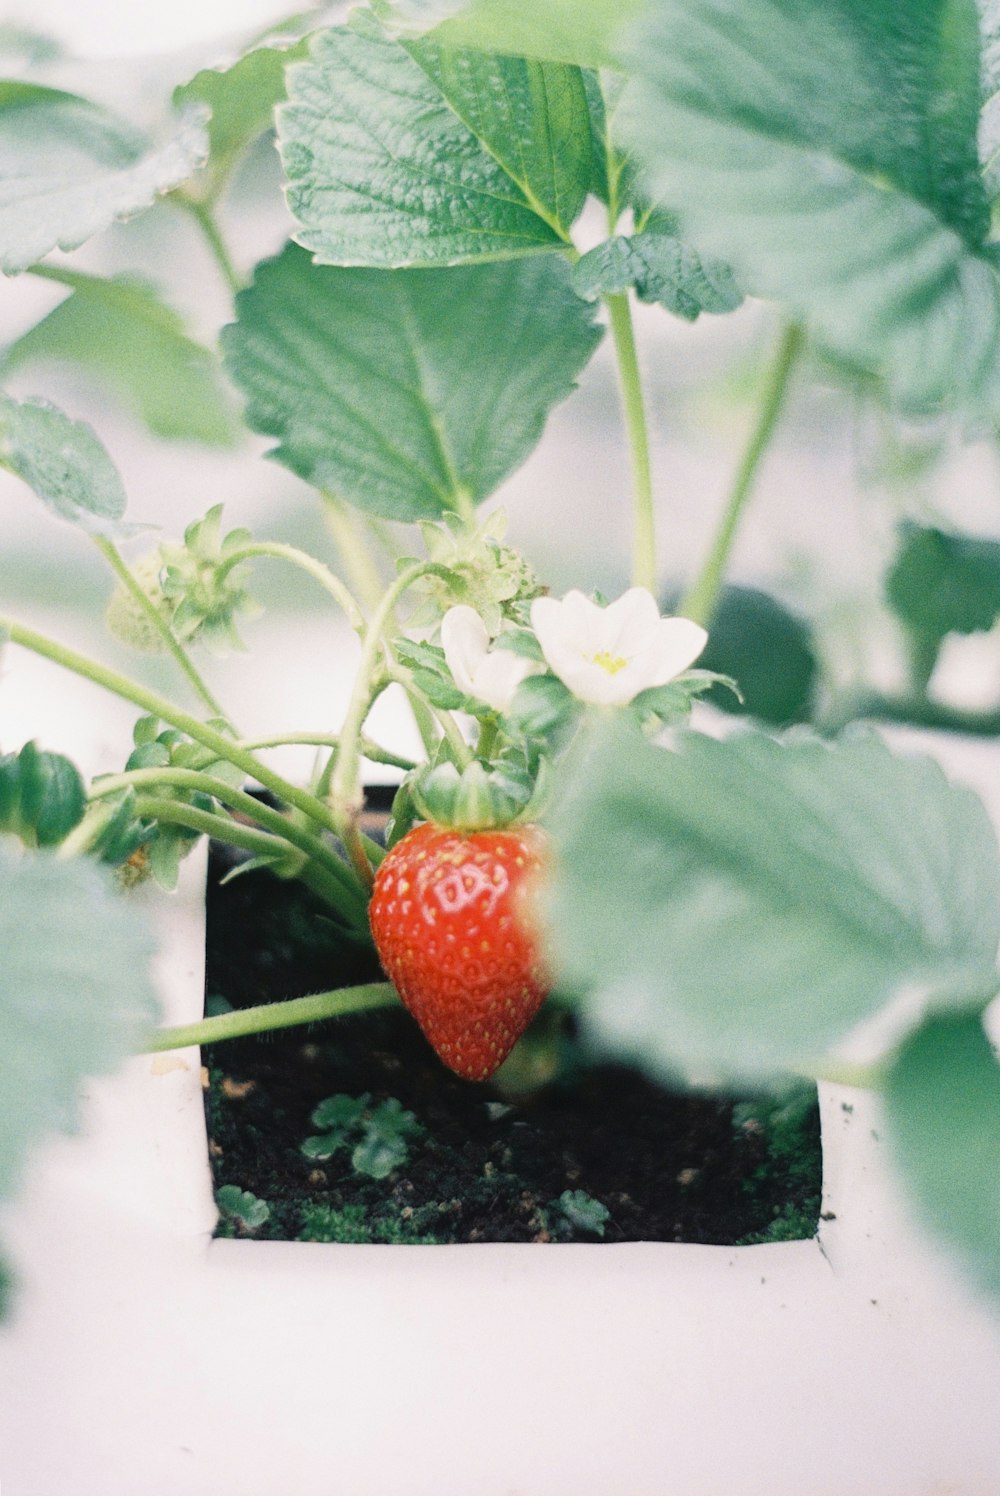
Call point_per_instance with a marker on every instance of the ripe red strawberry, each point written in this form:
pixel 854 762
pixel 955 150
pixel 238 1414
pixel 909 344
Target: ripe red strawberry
pixel 445 917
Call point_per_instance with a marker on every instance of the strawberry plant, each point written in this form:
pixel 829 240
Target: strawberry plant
pixel 477 196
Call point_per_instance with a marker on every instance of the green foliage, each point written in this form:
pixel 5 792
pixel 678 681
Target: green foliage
pixel 203 587
pixel 555 30
pixel 408 153
pixel 63 461
pixel 74 998
pixel 150 362
pixel 989 123
pixel 829 154
pixel 413 393
pixel 241 1208
pixel 42 796
pixel 70 169
pixel 789 1122
pixel 583 1212
pixel 661 268
pixel 378 1134
pixel 769 653
pixel 941 584
pixel 775 895
pixel 942 1101
pixel 241 100
pixel 354 1225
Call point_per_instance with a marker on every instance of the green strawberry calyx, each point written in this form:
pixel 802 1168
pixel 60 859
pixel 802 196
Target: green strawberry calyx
pixel 474 798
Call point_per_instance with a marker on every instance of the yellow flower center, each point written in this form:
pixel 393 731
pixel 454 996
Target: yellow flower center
pixel 609 662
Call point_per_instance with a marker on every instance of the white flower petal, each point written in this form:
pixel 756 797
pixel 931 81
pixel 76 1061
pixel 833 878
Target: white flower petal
pixel 465 643
pixel 499 676
pixel 609 655
pixel 632 622
pixel 676 646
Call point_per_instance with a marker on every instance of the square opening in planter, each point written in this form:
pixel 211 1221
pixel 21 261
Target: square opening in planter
pixel 352 1130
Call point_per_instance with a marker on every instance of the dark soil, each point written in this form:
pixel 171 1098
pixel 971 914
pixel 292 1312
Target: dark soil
pixel 481 1162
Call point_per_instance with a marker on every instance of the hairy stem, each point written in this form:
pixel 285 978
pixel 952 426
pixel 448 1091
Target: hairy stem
pixel 369 749
pixel 356 555
pixel 316 569
pixel 700 600
pixel 269 1016
pixel 205 219
pixel 158 706
pixel 286 827
pixel 643 522
pixel 344 780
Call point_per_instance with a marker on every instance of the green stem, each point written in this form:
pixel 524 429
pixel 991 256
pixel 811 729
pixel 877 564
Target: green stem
pixel 700 600
pixel 488 729
pixel 222 828
pixel 135 590
pixel 344 527
pixel 269 1016
pixel 370 750
pixel 364 574
pixel 289 829
pixel 461 752
pixel 345 781
pixel 316 569
pixel 205 219
pixel 910 711
pixel 644 522
pixel 352 909
pixel 158 706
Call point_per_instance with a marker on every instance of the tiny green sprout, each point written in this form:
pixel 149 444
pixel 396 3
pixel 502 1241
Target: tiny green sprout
pixel 384 1145
pixel 241 1209
pixel 378 1134
pixel 583 1212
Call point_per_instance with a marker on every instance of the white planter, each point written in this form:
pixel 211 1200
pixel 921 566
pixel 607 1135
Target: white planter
pixel 146 1359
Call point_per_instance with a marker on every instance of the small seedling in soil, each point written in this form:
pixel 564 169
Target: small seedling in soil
pixel 383 1129
pixel 354 1225
pixel 582 1212
pixel 241 1213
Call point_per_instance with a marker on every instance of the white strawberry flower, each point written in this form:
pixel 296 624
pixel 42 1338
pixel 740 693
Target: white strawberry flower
pixel 488 675
pixel 608 655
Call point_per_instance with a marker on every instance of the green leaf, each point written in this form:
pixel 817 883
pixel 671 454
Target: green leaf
pixel 942 1099
pixel 121 330
pixel 828 153
pixel 75 995
pixel 70 169
pixel 661 268
pixel 942 584
pixel 989 121
pixel 340 1111
pixel 542 705
pixel 408 393
pixel 413 154
pixel 769 653
pixel 732 909
pixel 377 1156
pixel 63 461
pixel 583 1212
pixel 241 100
pixel 556 30
pixel 242 1207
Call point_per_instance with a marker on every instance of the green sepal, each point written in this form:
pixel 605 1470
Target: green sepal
pixel 42 796
pixel 473 799
pixel 122 833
